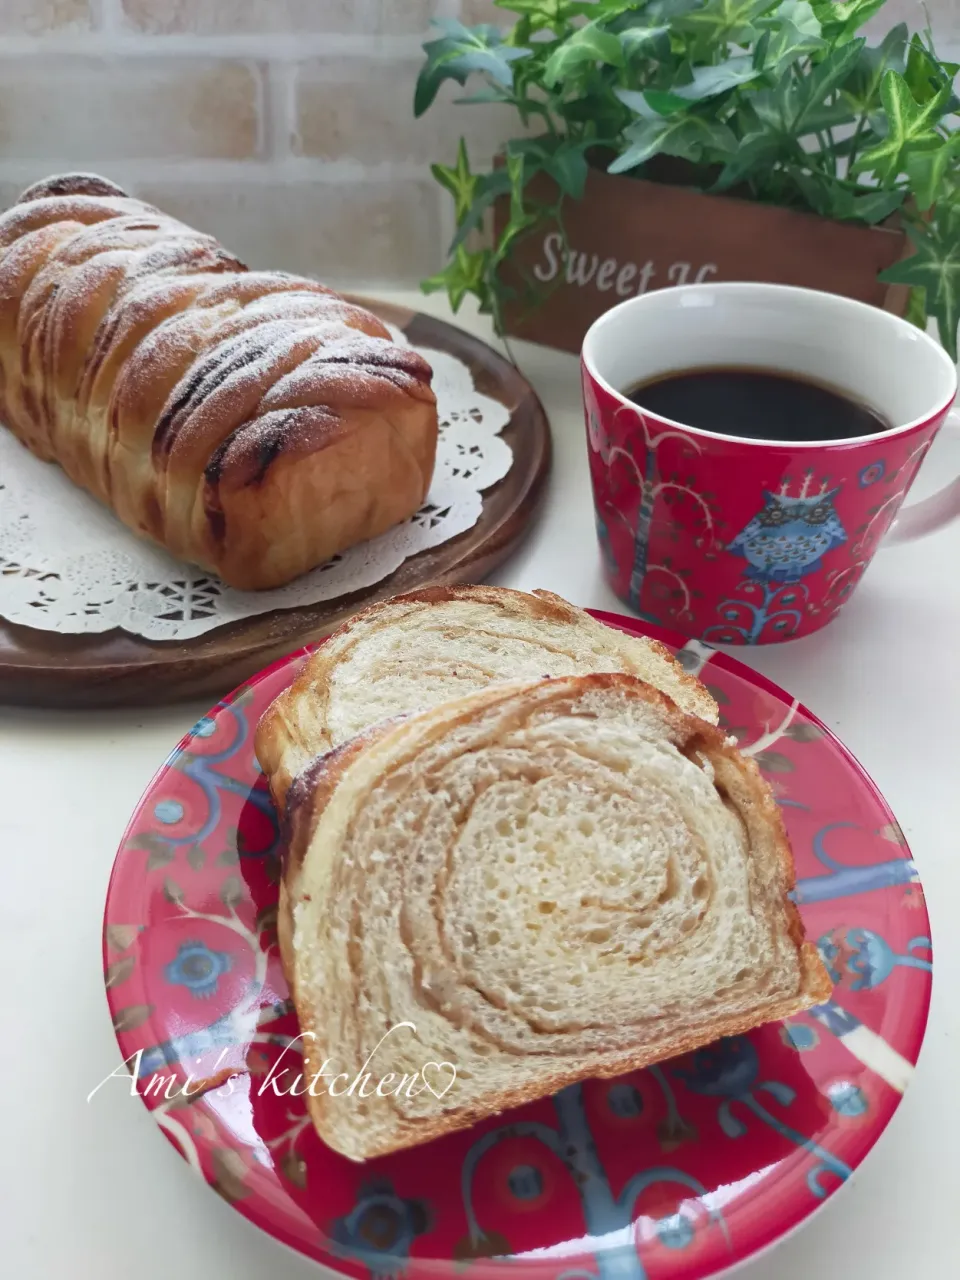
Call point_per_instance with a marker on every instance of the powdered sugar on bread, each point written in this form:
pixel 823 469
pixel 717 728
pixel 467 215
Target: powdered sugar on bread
pixel 132 348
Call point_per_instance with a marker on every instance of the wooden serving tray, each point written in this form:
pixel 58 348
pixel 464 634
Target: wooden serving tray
pixel 114 668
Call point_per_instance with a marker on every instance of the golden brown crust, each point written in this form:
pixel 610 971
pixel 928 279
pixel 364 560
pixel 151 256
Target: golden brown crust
pixel 315 788
pixel 188 393
pixel 716 746
pixel 71 184
pixel 308 795
pixel 426 1131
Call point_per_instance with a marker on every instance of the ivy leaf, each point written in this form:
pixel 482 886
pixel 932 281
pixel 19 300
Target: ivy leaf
pixel 516 174
pixel 760 51
pixel 669 10
pixel 824 115
pixel 773 110
pixel 586 46
pixel 688 137
pixel 790 32
pixel 458 53
pixel 841 22
pixel 861 91
pixel 489 93
pixel 662 102
pixel 641 36
pixel 756 151
pixel 517 225
pixel 817 193
pixel 873 206
pixel 820 84
pixel 910 125
pixel 541 14
pixel 721 22
pixel 604 117
pixel 840 202
pixel 651 103
pixel 927 169
pixel 489 187
pixel 855 142
pixel 798 71
pixel 465 273
pixel 924 76
pixel 565 161
pixel 568 167
pixel 916 312
pixel 935 268
pixel 707 82
pixel 556 15
pixel 798 106
pixel 459 181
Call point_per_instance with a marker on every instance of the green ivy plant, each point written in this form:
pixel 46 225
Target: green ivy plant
pixel 781 101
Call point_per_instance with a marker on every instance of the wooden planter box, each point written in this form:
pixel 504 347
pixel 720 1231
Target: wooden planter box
pixel 629 235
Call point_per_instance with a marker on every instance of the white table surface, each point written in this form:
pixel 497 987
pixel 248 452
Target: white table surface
pixel 94 1190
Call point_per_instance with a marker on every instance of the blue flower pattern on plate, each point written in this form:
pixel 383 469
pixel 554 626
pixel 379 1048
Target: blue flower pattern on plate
pixel 198 968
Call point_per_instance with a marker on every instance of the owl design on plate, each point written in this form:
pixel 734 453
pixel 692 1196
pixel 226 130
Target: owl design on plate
pixel 787 539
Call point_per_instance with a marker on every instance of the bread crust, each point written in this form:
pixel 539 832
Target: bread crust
pixel 396 741
pixel 252 423
pixel 294 727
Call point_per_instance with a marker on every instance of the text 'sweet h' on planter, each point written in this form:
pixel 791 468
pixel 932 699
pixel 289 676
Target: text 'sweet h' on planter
pixel 630 235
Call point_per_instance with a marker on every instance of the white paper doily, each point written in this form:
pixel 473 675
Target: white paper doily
pixel 67 564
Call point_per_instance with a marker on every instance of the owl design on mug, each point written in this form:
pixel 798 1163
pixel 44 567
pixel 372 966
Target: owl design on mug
pixel 788 538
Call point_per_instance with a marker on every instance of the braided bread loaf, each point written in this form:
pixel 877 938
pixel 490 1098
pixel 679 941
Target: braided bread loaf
pixel 253 423
pixel 531 885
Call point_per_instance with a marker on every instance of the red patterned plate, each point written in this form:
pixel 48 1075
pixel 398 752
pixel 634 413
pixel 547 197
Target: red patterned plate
pixel 675 1173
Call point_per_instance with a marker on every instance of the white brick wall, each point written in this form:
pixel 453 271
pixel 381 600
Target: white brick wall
pixel 284 127
pixel 944 18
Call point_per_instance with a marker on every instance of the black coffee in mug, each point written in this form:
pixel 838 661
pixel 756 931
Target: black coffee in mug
pixel 757 404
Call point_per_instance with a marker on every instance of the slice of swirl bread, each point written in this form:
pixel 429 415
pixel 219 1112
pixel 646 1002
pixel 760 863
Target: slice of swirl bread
pixel 546 881
pixel 416 651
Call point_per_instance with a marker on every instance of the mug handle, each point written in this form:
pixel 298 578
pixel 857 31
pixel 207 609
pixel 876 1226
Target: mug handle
pixel 929 514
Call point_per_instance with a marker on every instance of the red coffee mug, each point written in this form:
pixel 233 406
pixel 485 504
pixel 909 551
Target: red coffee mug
pixel 745 541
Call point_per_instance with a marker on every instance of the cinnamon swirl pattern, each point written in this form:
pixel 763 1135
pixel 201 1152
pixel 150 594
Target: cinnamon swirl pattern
pixel 417 650
pixel 253 423
pixel 525 887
